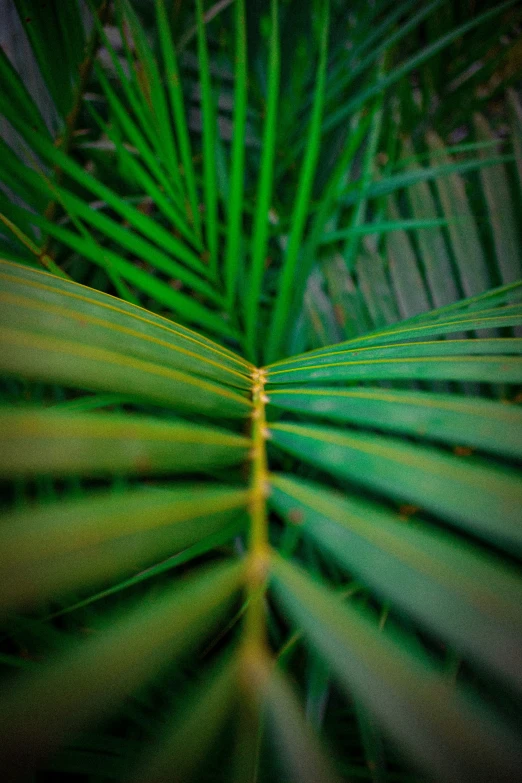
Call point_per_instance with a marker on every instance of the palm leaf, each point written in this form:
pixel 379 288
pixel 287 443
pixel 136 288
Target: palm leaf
pixel 450 733
pixel 473 422
pixel 55 350
pixel 103 443
pixel 282 180
pixel 188 735
pixel 284 294
pixel 82 544
pixel 359 534
pixel 481 498
pixel 89 678
pixel 260 235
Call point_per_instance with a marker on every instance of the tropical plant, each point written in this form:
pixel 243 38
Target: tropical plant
pixel 226 556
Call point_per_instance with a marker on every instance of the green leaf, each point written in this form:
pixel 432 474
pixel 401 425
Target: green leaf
pixel 55 331
pixel 264 188
pixel 50 359
pixel 358 215
pixel 153 94
pixel 235 211
pixel 460 421
pixel 25 240
pixel 142 223
pixel 178 110
pixel 433 252
pixel 88 679
pixel 480 497
pixel 447 169
pixel 114 482
pixel 384 33
pixel 298 747
pixel 494 297
pixel 501 212
pixel 209 131
pixel 161 292
pixel 74 544
pixel 130 126
pixel 344 300
pixel 16 104
pixel 404 270
pixel 181 747
pixel 52 442
pixel 372 741
pixel 201 547
pixel 405 68
pixel 30 535
pixel 151 187
pixel 465 241
pixel 435 323
pixel 304 189
pixel 373 283
pixel 57 37
pixel 440 727
pixel 381 227
pixel 113 232
pixel 12 165
pixel 437 359
pixel 154 329
pixel 469 599
pixel 516 130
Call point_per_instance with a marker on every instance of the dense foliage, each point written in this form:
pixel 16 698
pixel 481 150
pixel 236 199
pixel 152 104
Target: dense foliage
pixel 261 299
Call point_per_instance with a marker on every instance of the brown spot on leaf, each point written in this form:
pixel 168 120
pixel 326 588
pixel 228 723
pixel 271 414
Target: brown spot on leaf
pixel 407 510
pixel 143 463
pixel 340 315
pixel 462 451
pixel 296 516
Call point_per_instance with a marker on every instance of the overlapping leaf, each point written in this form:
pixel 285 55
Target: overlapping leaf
pixel 156 202
pixel 77 544
pixel 59 331
pixel 468 598
pixel 51 442
pixel 441 727
pixel 482 498
pixel 89 679
pixel 483 424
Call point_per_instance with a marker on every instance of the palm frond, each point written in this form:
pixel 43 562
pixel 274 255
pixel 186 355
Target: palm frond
pixel 219 571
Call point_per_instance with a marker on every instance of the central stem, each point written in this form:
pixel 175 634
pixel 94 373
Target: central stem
pixel 258 545
pixel 254 643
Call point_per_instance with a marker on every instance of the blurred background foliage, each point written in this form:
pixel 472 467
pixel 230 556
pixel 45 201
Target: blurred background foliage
pixel 278 177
